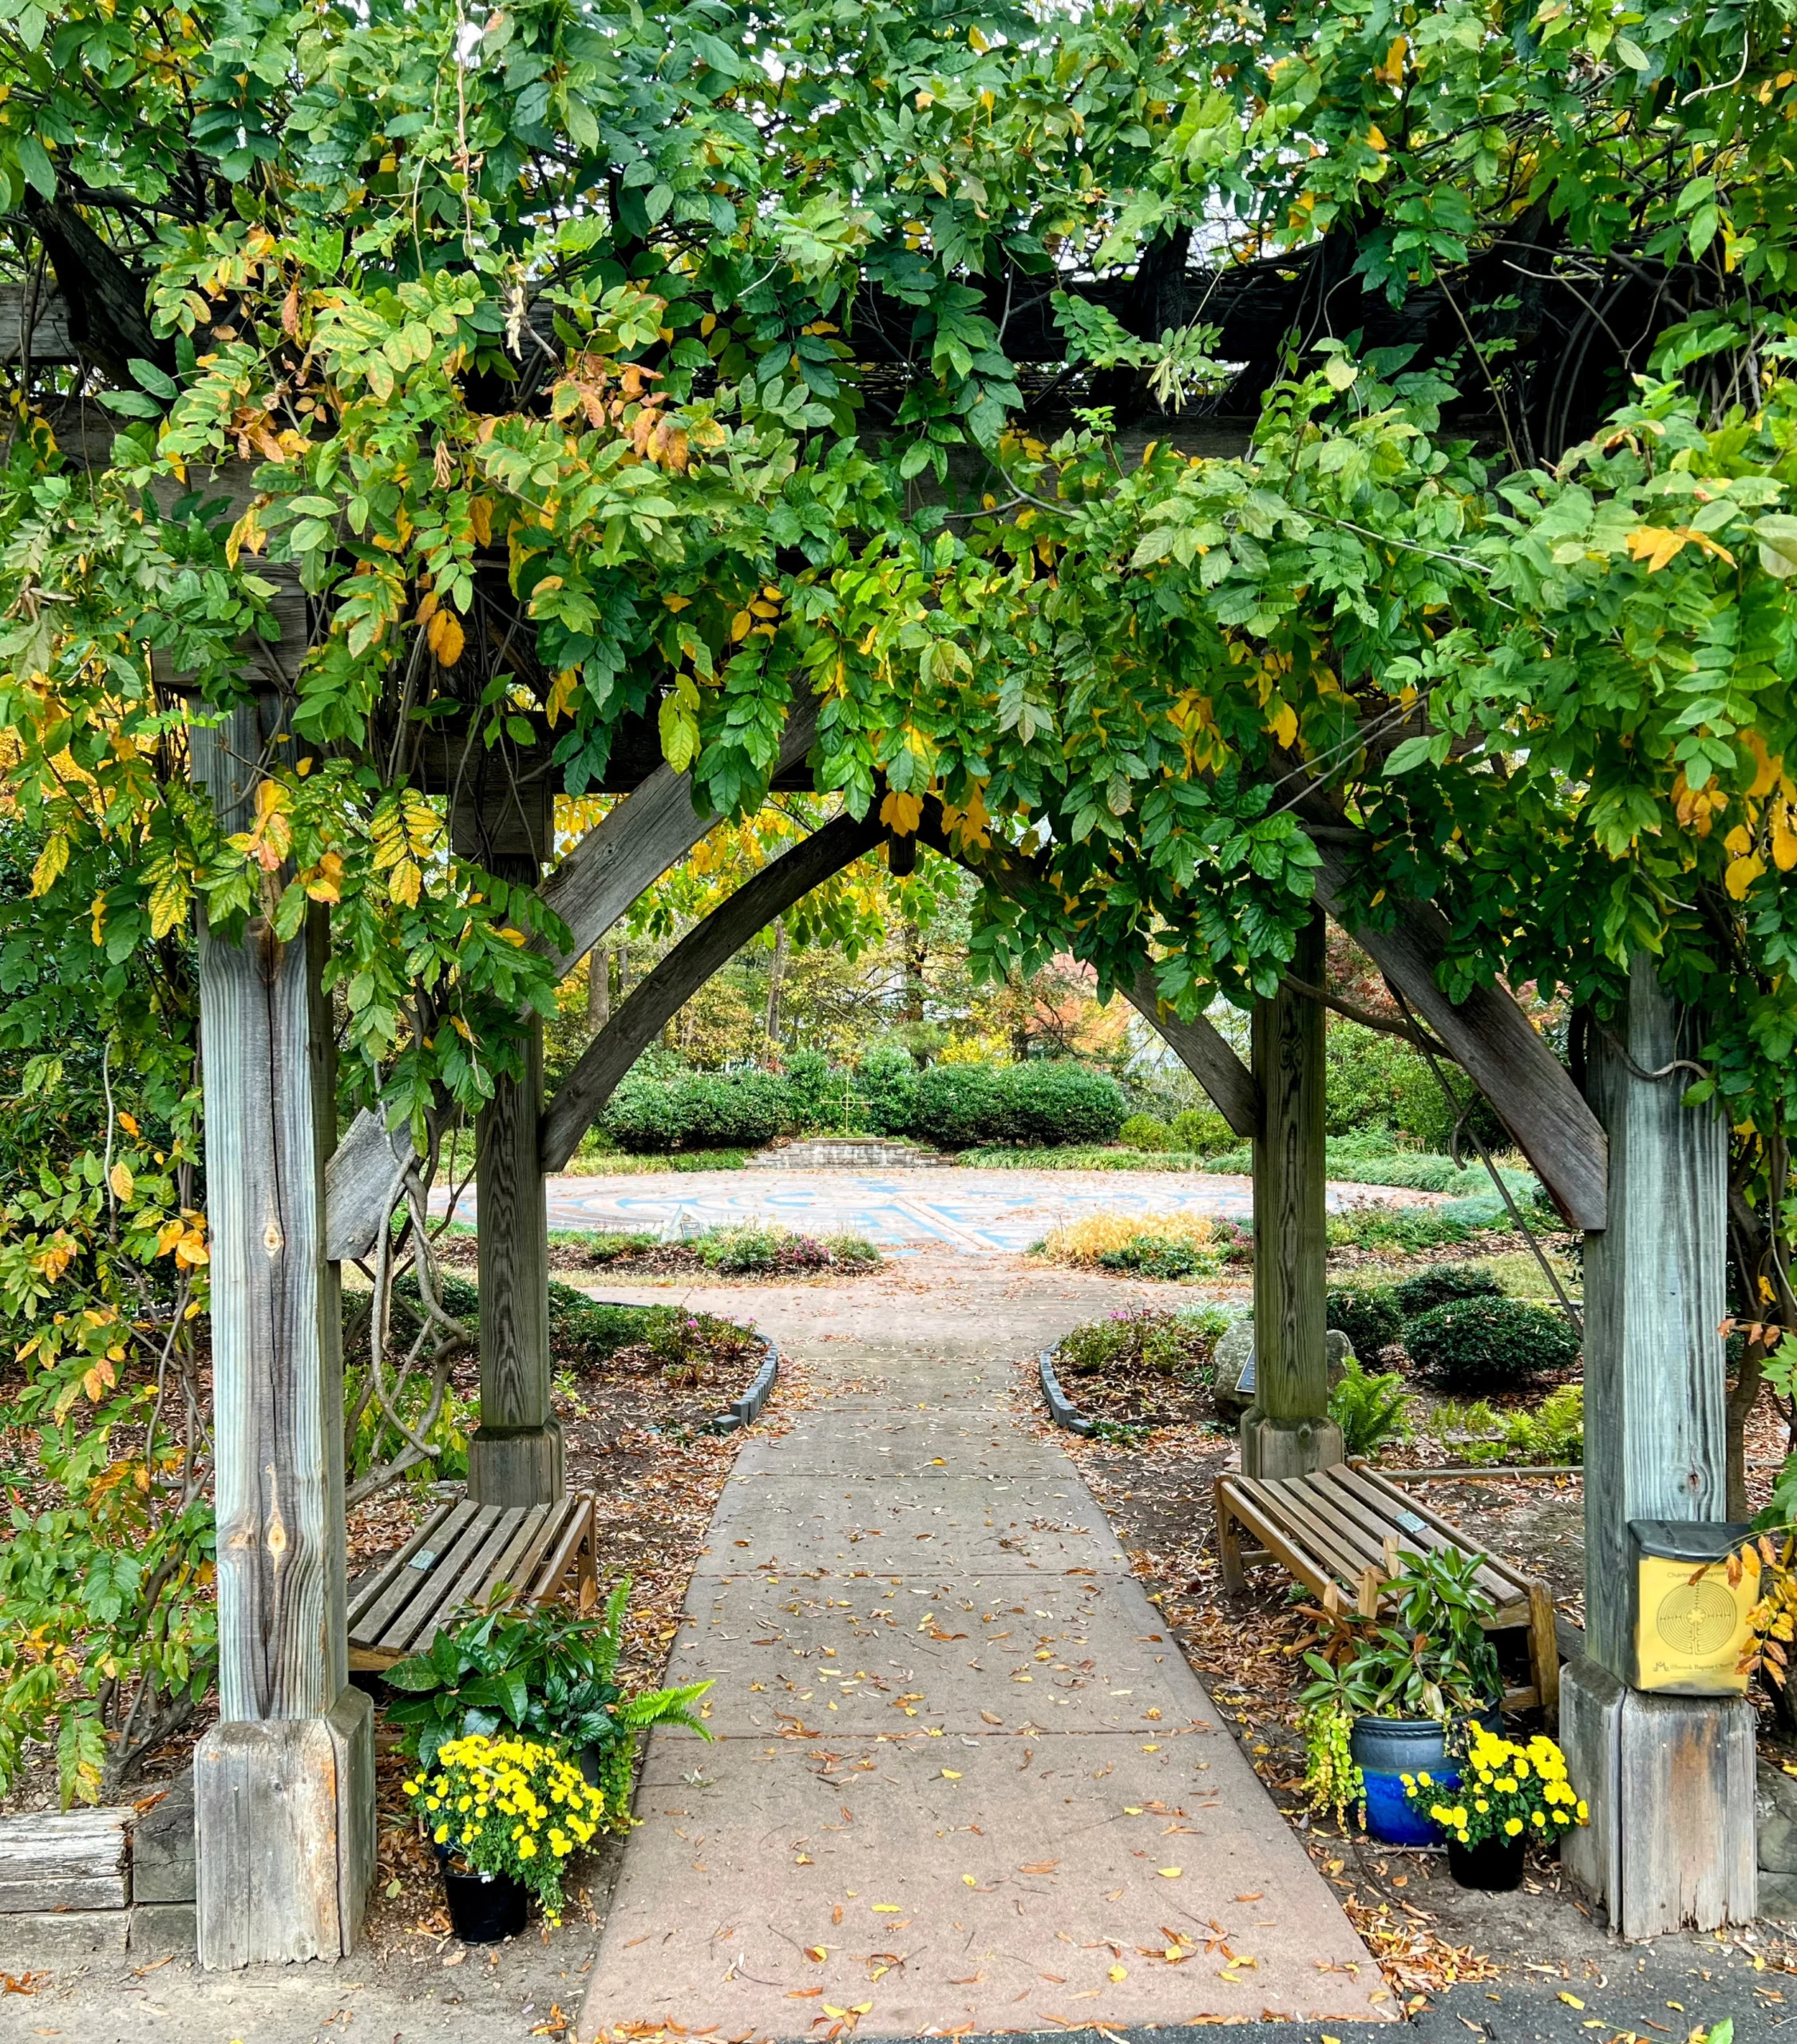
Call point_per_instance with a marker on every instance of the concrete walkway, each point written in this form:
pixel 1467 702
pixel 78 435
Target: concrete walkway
pixel 971 1211
pixel 961 1781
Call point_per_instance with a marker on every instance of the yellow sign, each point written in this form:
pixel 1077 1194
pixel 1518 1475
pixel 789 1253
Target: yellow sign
pixel 1691 1629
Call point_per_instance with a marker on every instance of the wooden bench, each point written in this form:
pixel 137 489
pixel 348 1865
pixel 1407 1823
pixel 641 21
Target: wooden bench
pixel 457 1558
pixel 1340 1532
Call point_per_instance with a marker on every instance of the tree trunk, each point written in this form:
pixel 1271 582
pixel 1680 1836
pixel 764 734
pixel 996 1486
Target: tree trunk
pixel 916 957
pixel 1744 1395
pixel 775 973
pixel 598 988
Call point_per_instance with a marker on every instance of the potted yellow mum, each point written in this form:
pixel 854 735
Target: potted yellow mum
pixel 505 1815
pixel 1509 1796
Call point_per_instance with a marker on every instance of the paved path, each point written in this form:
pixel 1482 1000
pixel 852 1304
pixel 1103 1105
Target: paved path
pixel 975 1212
pixel 960 1780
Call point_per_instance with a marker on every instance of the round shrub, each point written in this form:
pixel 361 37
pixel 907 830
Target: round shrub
pixel 1367 1315
pixel 699 1110
pixel 1058 1100
pixel 820 1095
pixel 956 1106
pixel 1489 1344
pixel 1144 1132
pixel 886 1080
pixel 1203 1130
pixel 1441 1282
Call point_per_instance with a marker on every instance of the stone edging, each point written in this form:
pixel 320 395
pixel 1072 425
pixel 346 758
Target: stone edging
pixel 747 1409
pixel 1061 1409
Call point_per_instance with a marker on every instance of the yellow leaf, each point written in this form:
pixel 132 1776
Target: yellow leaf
pixel 1784 838
pixel 445 634
pixel 740 625
pixel 247 533
pixel 1375 140
pixel 678 603
pixel 1285 725
pixel 128 1123
pixel 1656 545
pixel 901 813
pixel 948 1774
pixel 969 1881
pixel 1739 841
pixel 1171 1873
pixel 1741 875
pixel 53 861
pixel 1572 2000
pixel 120 1179
pixel 406 883
pixel 1119 1973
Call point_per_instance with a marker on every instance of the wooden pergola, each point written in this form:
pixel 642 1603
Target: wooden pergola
pixel 285 1780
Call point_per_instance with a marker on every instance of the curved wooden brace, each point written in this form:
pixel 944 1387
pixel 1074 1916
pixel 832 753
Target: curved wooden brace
pixel 701 952
pixel 706 949
pixel 1203 1052
pixel 1493 1042
pixel 652 828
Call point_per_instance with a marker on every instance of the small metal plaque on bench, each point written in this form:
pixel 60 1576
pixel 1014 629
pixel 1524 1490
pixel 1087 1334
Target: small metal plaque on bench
pixel 1410 1522
pixel 423 1558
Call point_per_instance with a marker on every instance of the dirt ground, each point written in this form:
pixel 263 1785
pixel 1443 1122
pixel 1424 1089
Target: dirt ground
pixel 1442 1949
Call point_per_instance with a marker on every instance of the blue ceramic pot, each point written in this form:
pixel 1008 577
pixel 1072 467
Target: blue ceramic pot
pixel 1387 1749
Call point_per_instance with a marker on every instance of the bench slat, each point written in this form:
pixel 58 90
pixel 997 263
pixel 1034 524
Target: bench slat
pixel 1385 1495
pixel 401 1586
pixel 384 1578
pixel 1279 1501
pixel 1377 1526
pixel 469 1584
pixel 435 1582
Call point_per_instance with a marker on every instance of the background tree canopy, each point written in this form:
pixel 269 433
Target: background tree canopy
pixel 1164 437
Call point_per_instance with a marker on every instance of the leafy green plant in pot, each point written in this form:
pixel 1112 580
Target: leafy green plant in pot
pixel 1406 1688
pixel 547 1673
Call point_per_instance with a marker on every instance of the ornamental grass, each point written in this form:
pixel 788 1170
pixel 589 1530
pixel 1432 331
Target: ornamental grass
pixel 1506 1790
pixel 508 1807
pixel 1088 1243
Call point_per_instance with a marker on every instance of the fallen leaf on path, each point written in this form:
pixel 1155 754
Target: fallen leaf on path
pixel 1170 1873
pixel 1039 1866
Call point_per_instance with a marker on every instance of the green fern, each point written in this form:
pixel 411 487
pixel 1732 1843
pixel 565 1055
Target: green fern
pixel 1370 1410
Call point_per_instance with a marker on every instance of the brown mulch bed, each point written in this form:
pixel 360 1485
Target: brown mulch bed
pixel 1130 1394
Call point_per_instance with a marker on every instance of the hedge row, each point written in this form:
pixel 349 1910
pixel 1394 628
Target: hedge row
pixel 953 1106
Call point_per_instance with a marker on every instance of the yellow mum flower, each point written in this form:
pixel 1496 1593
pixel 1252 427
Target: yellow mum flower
pixel 1521 1770
pixel 441 1834
pixel 527 1848
pixel 1512 1826
pixel 1583 1813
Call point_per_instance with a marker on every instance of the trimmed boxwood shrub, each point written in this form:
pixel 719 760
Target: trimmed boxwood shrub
pixel 699 1110
pixel 1367 1315
pixel 1144 1132
pixel 886 1080
pixel 1058 1100
pixel 1489 1344
pixel 958 1105
pixel 1435 1286
pixel 1204 1131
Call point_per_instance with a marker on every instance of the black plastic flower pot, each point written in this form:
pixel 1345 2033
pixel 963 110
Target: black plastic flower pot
pixel 1494 1865
pixel 484 1908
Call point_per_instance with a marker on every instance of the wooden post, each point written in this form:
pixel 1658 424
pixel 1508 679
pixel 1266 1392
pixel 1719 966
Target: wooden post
pixel 284 1784
pixel 1669 1779
pixel 1287 1432
pixel 515 1455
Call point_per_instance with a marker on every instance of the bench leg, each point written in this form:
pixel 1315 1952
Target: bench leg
pixel 1228 1545
pixel 1544 1651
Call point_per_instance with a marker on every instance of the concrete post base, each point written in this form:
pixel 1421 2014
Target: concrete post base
pixel 515 1466
pixel 1669 1782
pixel 1287 1447
pixel 284 1835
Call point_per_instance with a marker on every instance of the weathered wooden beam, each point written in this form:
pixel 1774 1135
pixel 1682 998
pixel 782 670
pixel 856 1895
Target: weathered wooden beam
pixel 700 953
pixel 630 849
pixel 1491 1039
pixel 516 1456
pixel 66 1859
pixel 1669 1778
pixel 1287 1432
pixel 264 1848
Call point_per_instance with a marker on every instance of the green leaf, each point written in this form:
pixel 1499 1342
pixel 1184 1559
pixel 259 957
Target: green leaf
pixel 1411 753
pixel 33 160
